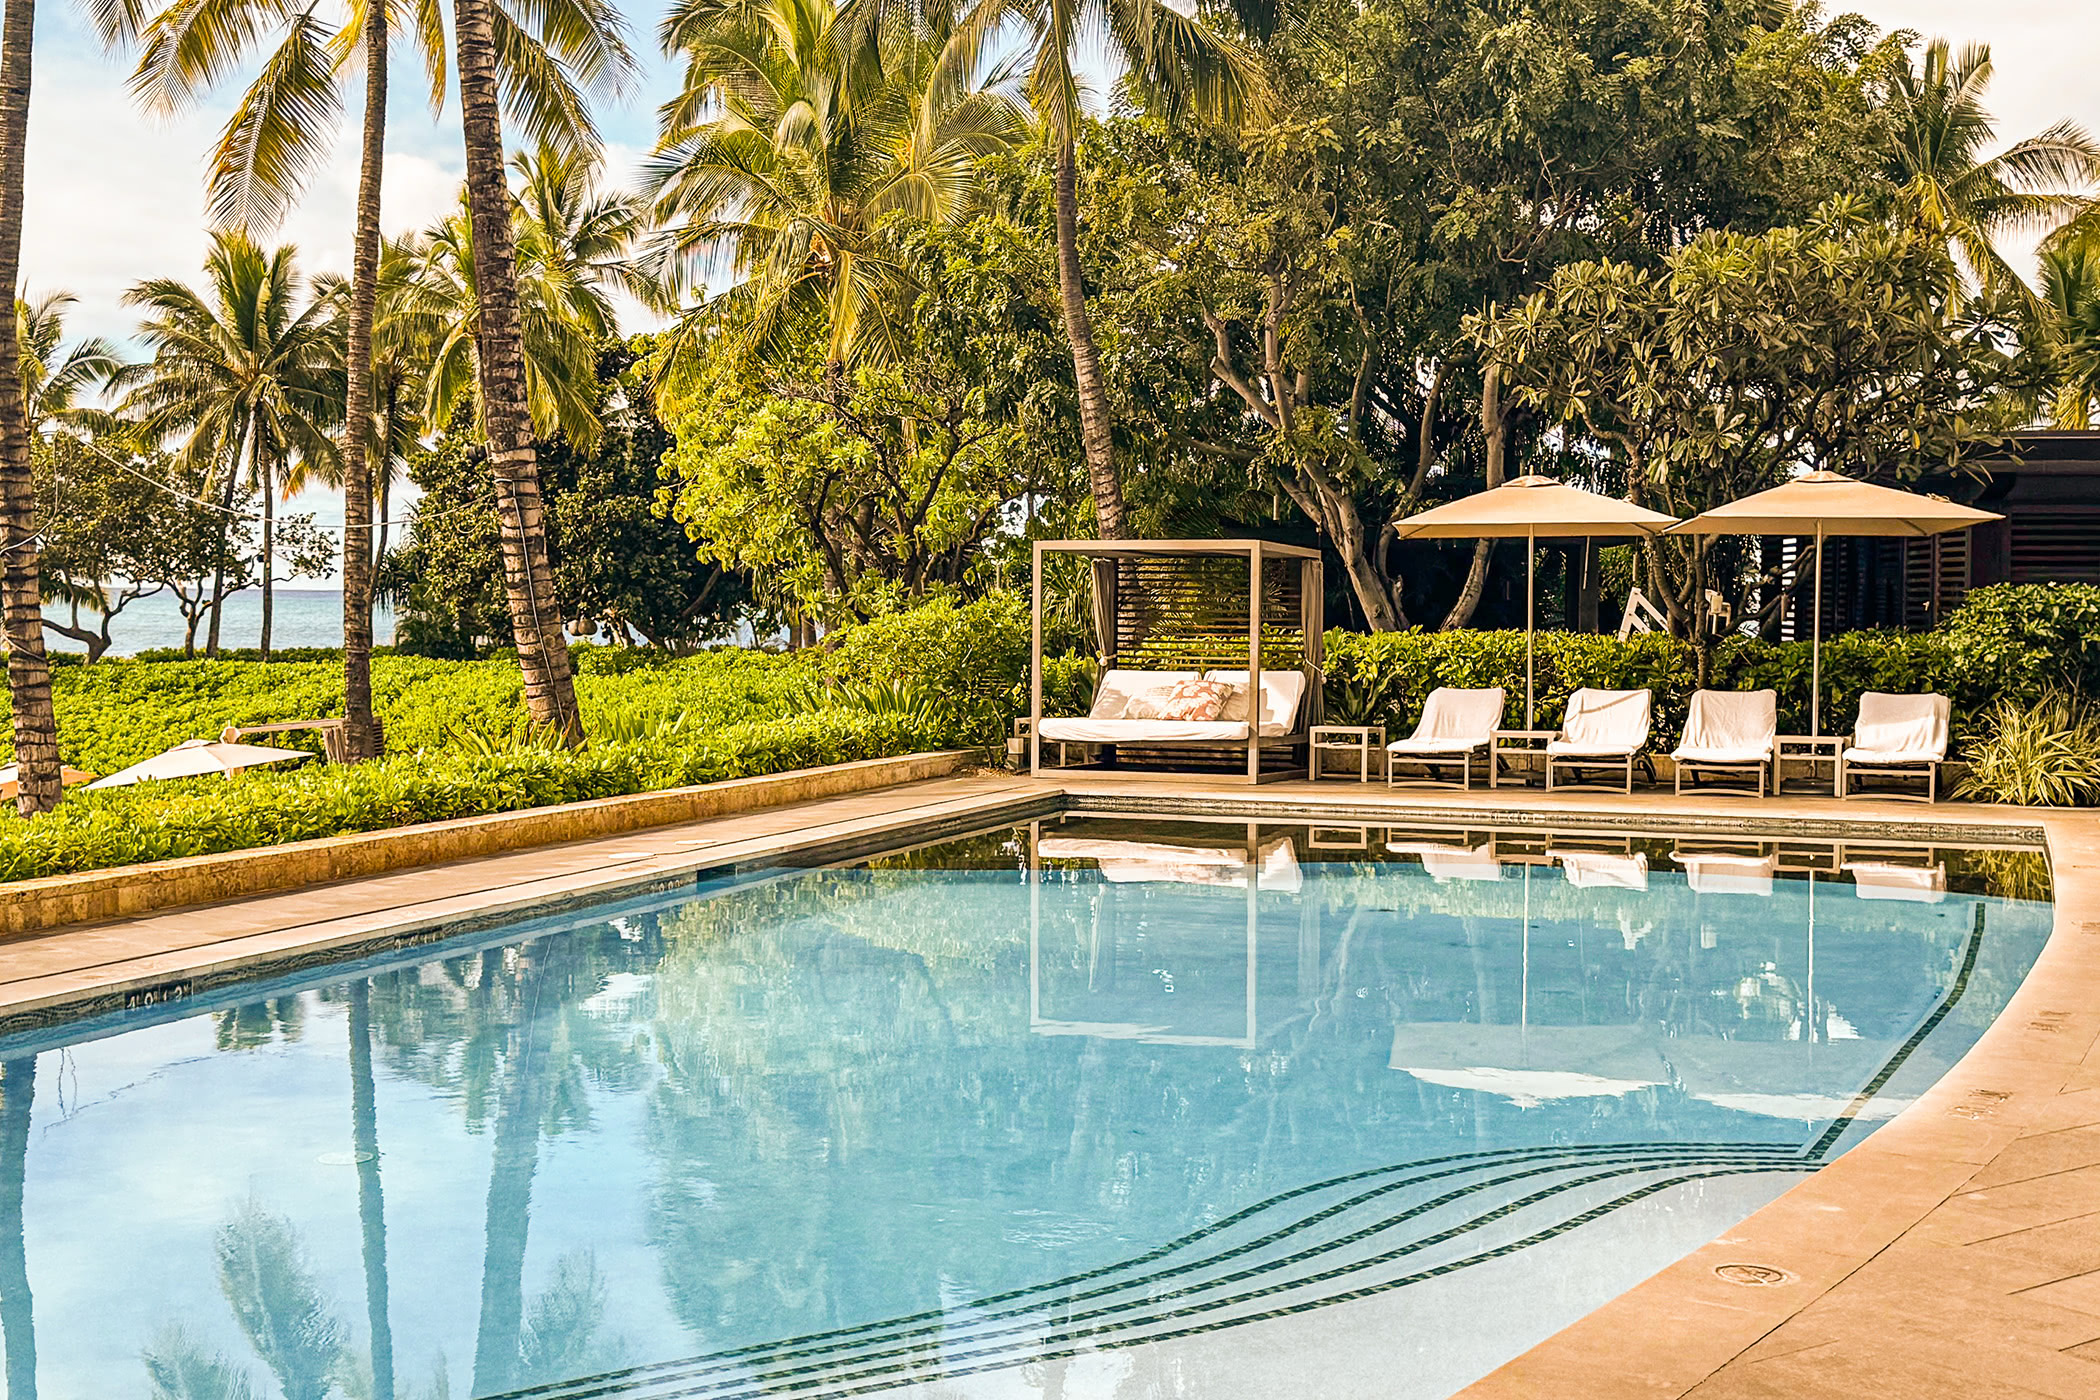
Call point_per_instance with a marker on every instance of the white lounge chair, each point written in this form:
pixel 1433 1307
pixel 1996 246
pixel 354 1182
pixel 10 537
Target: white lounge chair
pixel 1729 731
pixel 1455 725
pixel 1897 736
pixel 1602 729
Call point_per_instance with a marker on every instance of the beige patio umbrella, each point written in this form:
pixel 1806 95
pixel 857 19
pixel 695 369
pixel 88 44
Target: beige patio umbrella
pixel 11 776
pixel 1825 503
pixel 198 758
pixel 1525 509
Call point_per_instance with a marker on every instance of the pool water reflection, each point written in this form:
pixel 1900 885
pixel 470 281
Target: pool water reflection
pixel 1087 1106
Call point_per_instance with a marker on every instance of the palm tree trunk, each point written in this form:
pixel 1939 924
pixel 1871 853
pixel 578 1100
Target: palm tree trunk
pixel 358 560
pixel 1094 433
pixel 218 573
pixel 17 1319
pixel 21 584
pixel 371 1202
pixel 528 578
pixel 268 473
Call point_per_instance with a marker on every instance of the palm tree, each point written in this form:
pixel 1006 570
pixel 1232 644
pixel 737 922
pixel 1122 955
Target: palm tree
pixel 21 583
pixel 1951 189
pixel 578 239
pixel 796 131
pixel 248 374
pixel 506 419
pixel 283 128
pixel 2068 327
pixel 433 302
pixel 1180 66
pixel 56 375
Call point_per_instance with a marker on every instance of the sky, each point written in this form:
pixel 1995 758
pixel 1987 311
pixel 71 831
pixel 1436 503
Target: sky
pixel 115 196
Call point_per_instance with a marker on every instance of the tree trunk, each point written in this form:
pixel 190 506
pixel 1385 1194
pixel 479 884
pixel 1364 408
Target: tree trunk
pixel 1094 432
pixel 17 1317
pixel 371 1202
pixel 21 584
pixel 358 559
pixel 269 550
pixel 528 578
pixel 1494 427
pixel 218 574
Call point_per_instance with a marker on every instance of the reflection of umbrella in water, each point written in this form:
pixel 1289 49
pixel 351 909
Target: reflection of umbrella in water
pixel 1587 870
pixel 198 758
pixel 1151 862
pixel 1443 863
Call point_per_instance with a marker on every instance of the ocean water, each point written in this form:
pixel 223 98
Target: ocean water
pixel 1088 1107
pixel 303 618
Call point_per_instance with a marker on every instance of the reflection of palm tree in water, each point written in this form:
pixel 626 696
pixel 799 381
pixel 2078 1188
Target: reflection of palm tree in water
pixel 371 1202
pixel 17 1325
pixel 264 1275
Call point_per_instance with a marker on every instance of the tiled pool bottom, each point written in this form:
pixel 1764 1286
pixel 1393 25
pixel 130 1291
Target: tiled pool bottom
pixel 1088 1107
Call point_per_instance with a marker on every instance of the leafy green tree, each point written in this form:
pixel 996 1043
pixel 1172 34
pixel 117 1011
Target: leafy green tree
pixel 1748 357
pixel 795 132
pixel 622 567
pixel 1286 301
pixel 245 375
pixel 1950 188
pixel 847 491
pixel 111 536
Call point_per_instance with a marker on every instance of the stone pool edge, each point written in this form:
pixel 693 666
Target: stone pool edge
pixel 1924 1260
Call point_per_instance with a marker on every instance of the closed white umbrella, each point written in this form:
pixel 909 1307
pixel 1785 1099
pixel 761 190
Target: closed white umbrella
pixel 1527 508
pixel 198 758
pixel 1825 503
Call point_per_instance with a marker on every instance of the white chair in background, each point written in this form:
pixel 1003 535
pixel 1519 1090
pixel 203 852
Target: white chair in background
pixel 1729 732
pixel 1602 729
pixel 1897 736
pixel 1455 725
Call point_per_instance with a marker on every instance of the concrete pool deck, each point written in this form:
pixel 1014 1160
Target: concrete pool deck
pixel 1956 1251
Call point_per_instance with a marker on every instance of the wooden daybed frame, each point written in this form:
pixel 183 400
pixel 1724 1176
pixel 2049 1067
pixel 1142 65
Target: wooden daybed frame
pixel 1160 595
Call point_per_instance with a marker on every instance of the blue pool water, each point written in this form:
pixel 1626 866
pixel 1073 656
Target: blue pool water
pixel 1089 1107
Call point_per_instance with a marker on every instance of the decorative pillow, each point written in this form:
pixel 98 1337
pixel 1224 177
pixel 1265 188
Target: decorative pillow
pixel 1195 701
pixel 1233 709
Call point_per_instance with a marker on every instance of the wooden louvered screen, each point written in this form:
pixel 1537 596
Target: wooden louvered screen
pixel 1936 577
pixel 1190 612
pixel 2062 546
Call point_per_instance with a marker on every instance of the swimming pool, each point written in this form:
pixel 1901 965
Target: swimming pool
pixel 1085 1106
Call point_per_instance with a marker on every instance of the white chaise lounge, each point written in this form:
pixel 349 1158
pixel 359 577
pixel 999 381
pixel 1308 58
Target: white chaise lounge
pixel 1898 736
pixel 1729 732
pixel 1455 725
pixel 1602 729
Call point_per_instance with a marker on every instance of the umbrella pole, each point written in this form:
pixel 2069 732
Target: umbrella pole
pixel 1815 650
pixel 1531 597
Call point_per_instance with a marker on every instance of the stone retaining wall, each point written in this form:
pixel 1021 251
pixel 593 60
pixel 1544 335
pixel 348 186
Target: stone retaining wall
pixel 31 906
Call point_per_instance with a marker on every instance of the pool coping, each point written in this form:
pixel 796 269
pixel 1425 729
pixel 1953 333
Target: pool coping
pixel 2006 1142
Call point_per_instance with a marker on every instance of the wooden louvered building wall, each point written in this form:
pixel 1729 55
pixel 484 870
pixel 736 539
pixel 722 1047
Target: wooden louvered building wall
pixel 2048 489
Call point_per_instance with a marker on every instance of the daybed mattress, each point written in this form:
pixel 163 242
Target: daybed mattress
pixel 1151 731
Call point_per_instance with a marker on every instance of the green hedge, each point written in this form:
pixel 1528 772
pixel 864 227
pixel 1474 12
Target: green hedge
pixel 159 821
pixel 2014 642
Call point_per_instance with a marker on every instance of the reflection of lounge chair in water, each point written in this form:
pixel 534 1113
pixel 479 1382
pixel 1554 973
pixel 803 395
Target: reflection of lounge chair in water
pixel 1708 873
pixel 1588 870
pixel 1443 863
pixel 1914 884
pixel 1157 862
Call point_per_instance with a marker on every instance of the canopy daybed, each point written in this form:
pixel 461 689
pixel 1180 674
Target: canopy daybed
pixel 1181 623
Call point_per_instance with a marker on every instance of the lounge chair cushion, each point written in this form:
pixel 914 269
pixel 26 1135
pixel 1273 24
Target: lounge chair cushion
pixel 1454 721
pixel 1280 693
pixel 1134 694
pixel 1603 724
pixel 1728 726
pixel 1900 729
pixel 1143 731
pixel 1153 862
